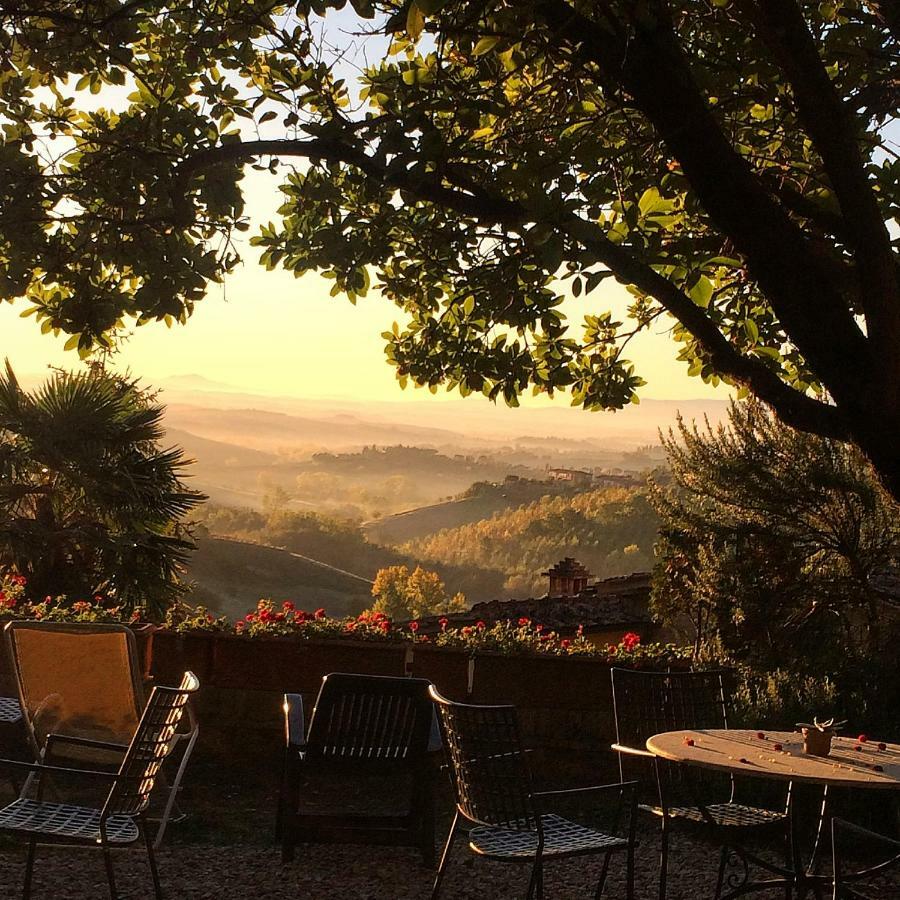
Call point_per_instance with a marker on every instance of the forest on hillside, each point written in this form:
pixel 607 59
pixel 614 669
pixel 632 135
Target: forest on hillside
pixel 610 530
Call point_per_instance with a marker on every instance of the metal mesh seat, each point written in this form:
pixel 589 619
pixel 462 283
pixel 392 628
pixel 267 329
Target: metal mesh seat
pixel 725 815
pixel 494 793
pixel 648 703
pixel 10 710
pixel 561 838
pixel 63 820
pixel 121 818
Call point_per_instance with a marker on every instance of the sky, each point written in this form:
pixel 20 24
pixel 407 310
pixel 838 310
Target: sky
pixel 270 333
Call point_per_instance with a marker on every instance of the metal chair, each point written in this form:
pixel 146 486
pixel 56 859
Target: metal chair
pixel 841 831
pixel 494 793
pixel 119 821
pixel 361 725
pixel 647 703
pixel 84 681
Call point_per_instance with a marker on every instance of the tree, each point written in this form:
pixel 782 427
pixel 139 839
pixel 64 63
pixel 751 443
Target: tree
pixel 777 547
pixel 401 594
pixel 89 502
pixel 727 160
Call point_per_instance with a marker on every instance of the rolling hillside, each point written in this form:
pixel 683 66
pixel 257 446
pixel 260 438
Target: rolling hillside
pixel 230 576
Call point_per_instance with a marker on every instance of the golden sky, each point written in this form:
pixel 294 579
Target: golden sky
pixel 267 332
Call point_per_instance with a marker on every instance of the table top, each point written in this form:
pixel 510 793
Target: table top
pixel 779 755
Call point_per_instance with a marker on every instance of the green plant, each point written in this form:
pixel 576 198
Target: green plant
pixel 90 503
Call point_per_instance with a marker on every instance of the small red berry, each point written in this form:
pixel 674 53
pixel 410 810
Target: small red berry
pixel 882 745
pixel 760 735
pixel 877 769
pixel 863 738
pixel 777 748
pixel 689 742
pixel 857 748
pixel 744 761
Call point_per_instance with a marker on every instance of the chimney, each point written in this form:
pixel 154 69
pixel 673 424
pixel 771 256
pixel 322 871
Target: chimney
pixel 568 578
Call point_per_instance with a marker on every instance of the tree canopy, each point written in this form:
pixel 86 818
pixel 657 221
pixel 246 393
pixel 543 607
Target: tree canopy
pixel 727 160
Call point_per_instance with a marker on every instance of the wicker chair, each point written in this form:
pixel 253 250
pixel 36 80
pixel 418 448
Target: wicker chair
pixel 101 701
pixel 119 821
pixel 494 793
pixel 361 725
pixel 648 703
pixel 843 832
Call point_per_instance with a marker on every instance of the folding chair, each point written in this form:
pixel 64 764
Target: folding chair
pixel 119 821
pixel 84 681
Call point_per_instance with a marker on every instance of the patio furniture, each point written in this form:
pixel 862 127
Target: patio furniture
pixel 511 820
pixel 120 820
pixel 361 726
pixel 777 756
pixel 646 703
pixel 846 883
pixel 84 681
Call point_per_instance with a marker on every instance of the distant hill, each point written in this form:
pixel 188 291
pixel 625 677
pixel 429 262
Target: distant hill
pixel 481 502
pixel 230 576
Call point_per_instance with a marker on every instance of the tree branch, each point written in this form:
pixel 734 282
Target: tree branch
pixel 796 409
pixel 835 133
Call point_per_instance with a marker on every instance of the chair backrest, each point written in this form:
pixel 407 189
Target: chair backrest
pixel 647 703
pixel 152 742
pixel 80 680
pixel 490 771
pixel 370 720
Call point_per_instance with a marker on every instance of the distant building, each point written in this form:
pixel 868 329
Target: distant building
pixel 605 610
pixel 567 578
pixel 572 476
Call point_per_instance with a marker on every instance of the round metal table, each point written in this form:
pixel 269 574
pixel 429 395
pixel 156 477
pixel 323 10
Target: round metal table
pixel 779 755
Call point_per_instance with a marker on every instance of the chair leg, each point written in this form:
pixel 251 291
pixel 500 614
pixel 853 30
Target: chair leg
pixel 602 880
pixel 629 871
pixel 445 856
pixel 151 859
pixel 663 856
pixel 29 868
pixel 110 875
pixel 173 790
pixel 723 863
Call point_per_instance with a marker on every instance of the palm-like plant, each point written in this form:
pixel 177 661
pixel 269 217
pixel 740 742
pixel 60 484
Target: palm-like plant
pixel 90 502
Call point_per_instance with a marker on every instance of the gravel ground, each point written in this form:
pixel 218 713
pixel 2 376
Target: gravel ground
pixel 204 872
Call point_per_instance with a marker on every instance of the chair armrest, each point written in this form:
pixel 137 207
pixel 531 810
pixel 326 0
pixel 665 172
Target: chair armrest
pixel 838 824
pixel 54 738
pixel 57 770
pixel 294 722
pixel 631 751
pixel 619 786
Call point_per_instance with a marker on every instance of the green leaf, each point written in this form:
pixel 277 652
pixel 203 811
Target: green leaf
pixel 415 21
pixel 701 293
pixel 485 45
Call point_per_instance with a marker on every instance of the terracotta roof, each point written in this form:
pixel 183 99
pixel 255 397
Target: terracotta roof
pixel 611 603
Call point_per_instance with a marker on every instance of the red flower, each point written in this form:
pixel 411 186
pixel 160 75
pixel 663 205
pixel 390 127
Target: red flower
pixel 480 625
pixel 580 631
pixel 250 617
pixel 523 621
pixel 239 626
pixel 538 627
pixel 384 625
pixel 467 630
pixel 565 643
pixel 288 605
pixel 413 627
pixel 442 621
pixel 319 614
pixel 630 640
pixel 279 617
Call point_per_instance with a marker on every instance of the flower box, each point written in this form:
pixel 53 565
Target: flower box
pixel 287 664
pixel 172 654
pixel 557 682
pixel 446 668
